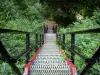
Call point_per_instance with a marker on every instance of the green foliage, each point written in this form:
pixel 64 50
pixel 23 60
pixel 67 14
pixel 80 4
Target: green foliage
pixel 96 16
pixel 64 12
pixel 6 69
pixel 8 10
pixel 28 15
pixel 64 17
pixel 62 58
pixel 86 44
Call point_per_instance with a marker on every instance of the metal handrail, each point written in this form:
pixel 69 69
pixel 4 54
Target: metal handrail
pixel 90 61
pixel 96 30
pixel 82 56
pixel 12 31
pixel 10 60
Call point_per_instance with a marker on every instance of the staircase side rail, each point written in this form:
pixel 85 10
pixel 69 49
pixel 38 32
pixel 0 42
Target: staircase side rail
pixel 72 48
pixel 12 31
pixel 6 56
pixel 96 30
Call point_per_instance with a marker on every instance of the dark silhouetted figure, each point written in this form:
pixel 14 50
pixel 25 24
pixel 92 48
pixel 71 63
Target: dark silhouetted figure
pixel 54 28
pixel 45 28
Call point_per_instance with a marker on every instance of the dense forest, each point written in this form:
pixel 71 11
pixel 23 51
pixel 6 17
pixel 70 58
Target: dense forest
pixel 30 15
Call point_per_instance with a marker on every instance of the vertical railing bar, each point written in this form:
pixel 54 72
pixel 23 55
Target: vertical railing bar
pixel 27 47
pixel 72 47
pixel 36 42
pixel 40 40
pixel 63 46
pixel 43 38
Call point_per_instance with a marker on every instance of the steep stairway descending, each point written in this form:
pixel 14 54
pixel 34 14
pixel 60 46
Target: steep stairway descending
pixel 49 60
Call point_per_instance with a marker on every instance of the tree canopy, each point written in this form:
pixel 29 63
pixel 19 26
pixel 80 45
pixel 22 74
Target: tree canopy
pixel 64 11
pixel 30 15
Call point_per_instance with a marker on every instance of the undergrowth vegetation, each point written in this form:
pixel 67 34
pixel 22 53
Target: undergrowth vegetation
pixel 29 17
pixel 85 44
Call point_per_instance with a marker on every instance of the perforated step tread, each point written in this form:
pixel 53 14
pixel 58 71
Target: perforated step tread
pixel 49 60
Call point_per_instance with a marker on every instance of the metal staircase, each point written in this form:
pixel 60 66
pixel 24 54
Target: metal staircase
pixel 49 60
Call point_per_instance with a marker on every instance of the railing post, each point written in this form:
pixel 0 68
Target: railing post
pixel 72 47
pixel 27 47
pixel 63 46
pixel 36 42
pixel 40 40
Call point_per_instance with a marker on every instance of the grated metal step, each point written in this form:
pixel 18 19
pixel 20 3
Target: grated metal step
pixel 48 61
